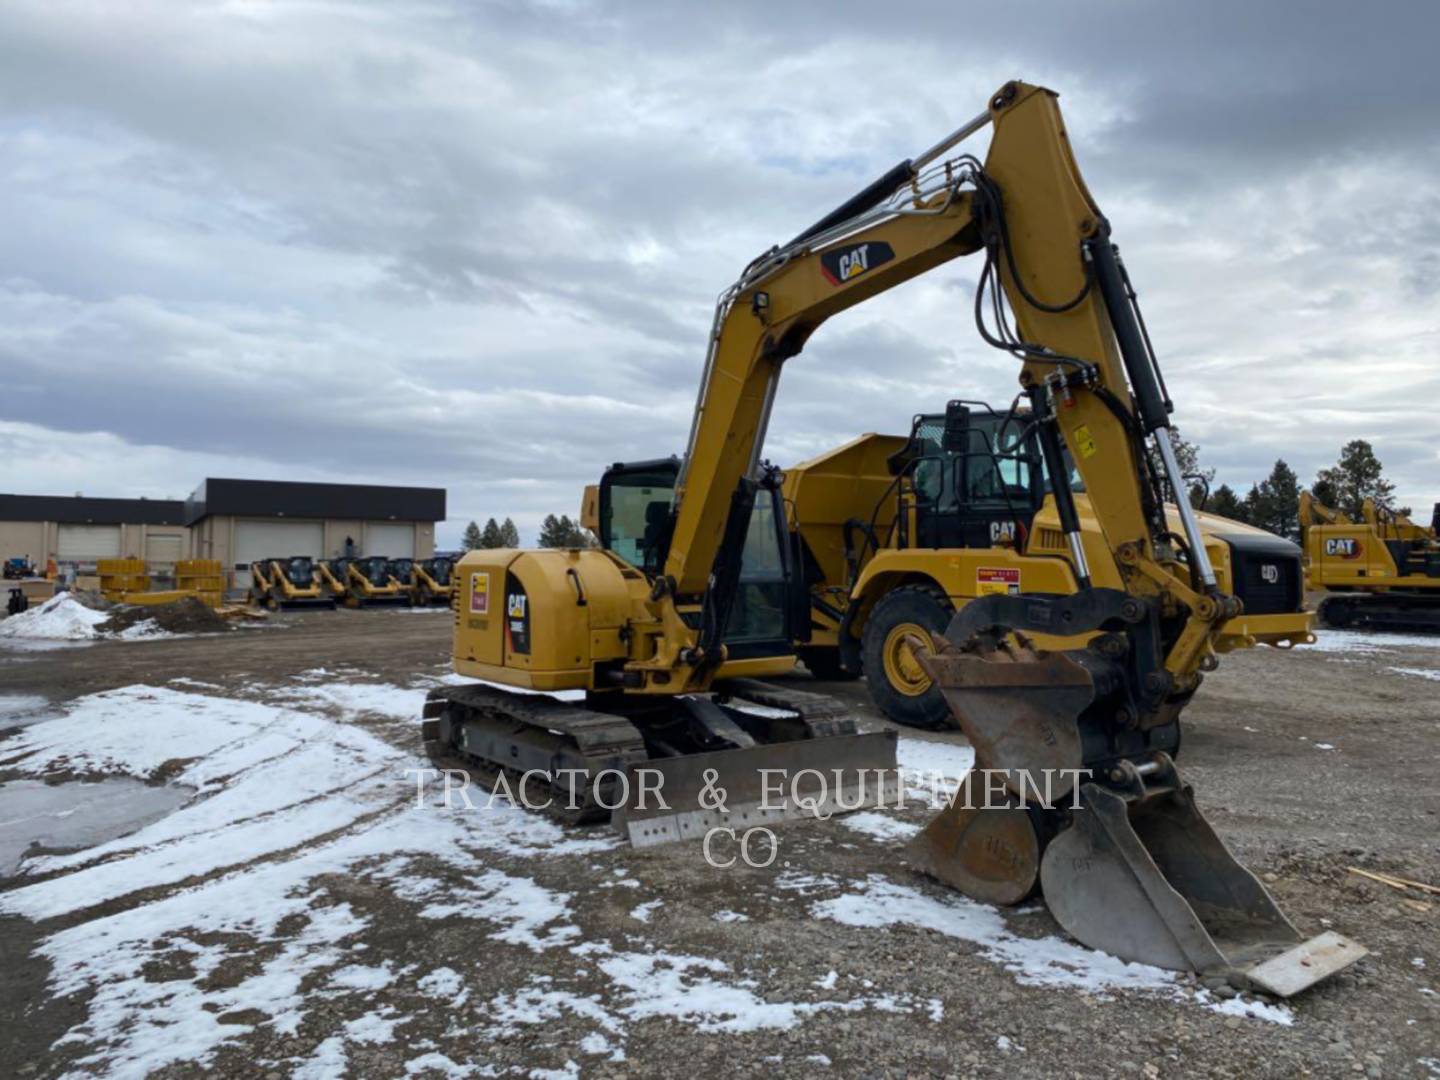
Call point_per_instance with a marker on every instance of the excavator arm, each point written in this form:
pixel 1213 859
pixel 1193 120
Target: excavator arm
pixel 1083 355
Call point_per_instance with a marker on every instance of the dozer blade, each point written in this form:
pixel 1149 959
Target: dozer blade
pixel 1144 877
pixel 761 785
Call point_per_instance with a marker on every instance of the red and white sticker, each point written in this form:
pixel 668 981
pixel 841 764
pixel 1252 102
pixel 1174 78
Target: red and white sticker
pixel 990 580
pixel 480 594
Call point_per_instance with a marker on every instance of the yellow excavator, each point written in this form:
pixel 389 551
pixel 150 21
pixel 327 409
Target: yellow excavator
pixel 1079 743
pixel 1382 572
pixel 896 533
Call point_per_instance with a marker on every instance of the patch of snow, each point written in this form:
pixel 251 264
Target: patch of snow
pixel 356 977
pixel 1423 673
pixel 61 618
pixel 20 705
pixel 730 916
pixel 820 1059
pixel 1324 746
pixel 828 981
pixel 1046 961
pixel 145 630
pixel 327 1062
pixel 436 1062
pixel 445 983
pixel 379 699
pixel 196 684
pixel 880 826
pixel 642 912
pixel 660 984
pixel 287 799
pixel 524 910
pixel 375 1027
pixel 1417 961
pixel 1366 641
pixel 932 770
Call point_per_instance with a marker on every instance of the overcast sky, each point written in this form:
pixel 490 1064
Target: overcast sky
pixel 477 245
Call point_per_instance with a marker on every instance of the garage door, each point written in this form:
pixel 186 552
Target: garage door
pixel 392 541
pixel 163 549
pixel 271 539
pixel 86 543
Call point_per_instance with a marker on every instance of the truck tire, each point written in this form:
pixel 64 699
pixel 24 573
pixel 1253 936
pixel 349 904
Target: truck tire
pixel 824 663
pixel 899 688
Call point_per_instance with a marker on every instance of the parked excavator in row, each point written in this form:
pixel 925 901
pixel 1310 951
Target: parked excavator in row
pixel 1095 812
pixel 1381 572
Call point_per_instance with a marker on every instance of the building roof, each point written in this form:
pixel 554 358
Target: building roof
pixel 295 499
pixel 80 510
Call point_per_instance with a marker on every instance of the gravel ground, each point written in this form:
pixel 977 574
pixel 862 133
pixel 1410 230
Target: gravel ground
pixel 349 932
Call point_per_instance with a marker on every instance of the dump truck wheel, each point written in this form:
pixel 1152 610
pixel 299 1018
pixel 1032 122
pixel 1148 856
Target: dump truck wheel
pixel 824 663
pixel 898 685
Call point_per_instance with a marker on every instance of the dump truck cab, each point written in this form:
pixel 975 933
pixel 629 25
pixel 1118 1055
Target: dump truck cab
pixel 896 533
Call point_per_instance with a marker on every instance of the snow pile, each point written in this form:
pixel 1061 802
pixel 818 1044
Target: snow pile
pixel 61 618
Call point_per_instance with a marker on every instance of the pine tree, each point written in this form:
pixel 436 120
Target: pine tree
pixel 509 534
pixel 490 536
pixel 1225 503
pixel 561 532
pixel 470 539
pixel 1280 501
pixel 1357 476
pixel 551 534
pixel 1198 480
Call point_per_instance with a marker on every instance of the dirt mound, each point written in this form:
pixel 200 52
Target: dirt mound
pixel 184 616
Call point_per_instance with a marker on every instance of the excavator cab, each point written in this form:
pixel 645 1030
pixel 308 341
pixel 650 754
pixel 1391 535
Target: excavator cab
pixel 635 502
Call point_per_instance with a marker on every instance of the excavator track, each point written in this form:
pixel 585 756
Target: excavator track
pixel 486 732
pixel 575 763
pixel 815 716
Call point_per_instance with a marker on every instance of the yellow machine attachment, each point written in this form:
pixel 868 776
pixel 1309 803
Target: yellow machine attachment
pixel 287 583
pixel 897 533
pixel 432 581
pixel 126 581
pixel 1383 572
pixel 646 637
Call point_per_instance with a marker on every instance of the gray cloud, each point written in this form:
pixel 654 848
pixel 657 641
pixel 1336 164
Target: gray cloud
pixel 478 245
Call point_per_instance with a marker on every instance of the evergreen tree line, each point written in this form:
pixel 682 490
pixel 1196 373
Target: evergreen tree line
pixel 1274 503
pixel 555 532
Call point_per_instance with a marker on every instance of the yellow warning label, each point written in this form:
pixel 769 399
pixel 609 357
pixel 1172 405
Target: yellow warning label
pixel 996 579
pixel 480 594
pixel 1085 441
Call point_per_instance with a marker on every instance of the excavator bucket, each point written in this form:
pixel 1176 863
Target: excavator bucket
pixel 1142 875
pixel 1123 856
pixel 759 785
